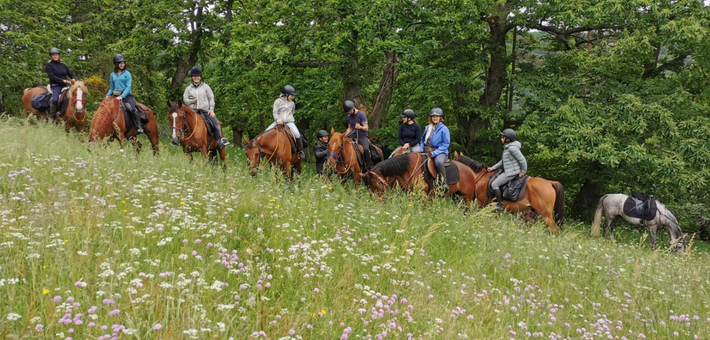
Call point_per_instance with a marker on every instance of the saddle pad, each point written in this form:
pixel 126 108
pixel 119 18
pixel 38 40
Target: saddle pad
pixel 452 173
pixel 513 191
pixel 642 207
pixel 143 111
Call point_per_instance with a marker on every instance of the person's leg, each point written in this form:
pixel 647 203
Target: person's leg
pixel 366 152
pixel 395 151
pixel 134 112
pixel 415 148
pixel 217 131
pixel 299 140
pixel 273 125
pixel 53 106
pixel 495 186
pixel 439 164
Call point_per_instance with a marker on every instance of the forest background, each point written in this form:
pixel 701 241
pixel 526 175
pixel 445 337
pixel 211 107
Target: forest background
pixel 606 95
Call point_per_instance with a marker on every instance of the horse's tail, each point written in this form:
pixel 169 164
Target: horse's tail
pixel 597 224
pixel 559 208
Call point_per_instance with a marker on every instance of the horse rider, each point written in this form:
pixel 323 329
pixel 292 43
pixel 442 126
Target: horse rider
pixel 199 97
pixel 283 112
pixel 321 150
pixel 357 129
pixel 410 133
pixel 58 73
pixel 436 141
pixel 120 83
pixel 513 163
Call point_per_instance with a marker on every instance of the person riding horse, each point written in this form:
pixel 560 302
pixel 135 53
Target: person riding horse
pixel 58 73
pixel 120 83
pixel 283 112
pixel 357 129
pixel 436 141
pixel 199 97
pixel 513 163
pixel 321 150
pixel 410 133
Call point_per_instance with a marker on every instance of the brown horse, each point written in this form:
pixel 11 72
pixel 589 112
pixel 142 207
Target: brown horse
pixel 112 120
pixel 409 169
pixel 543 196
pixel 342 156
pixel 75 114
pixel 191 131
pixel 276 148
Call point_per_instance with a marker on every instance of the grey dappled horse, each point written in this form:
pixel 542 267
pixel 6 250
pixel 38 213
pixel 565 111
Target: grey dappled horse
pixel 612 205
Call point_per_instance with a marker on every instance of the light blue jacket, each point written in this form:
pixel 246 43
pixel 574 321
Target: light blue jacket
pixel 120 83
pixel 440 139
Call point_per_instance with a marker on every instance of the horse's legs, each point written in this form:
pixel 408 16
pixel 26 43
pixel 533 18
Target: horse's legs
pixel 223 158
pixel 287 169
pixel 544 206
pixel 653 236
pixel 609 225
pixel 67 127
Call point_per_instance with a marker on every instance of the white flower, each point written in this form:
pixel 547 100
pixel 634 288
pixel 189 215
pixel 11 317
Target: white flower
pixel 13 316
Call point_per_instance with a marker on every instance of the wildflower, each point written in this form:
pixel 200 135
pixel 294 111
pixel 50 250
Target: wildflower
pixel 114 312
pixel 316 290
pixel 182 203
pixel 13 316
pixel 45 292
pixel 80 284
pixel 39 327
pixel 322 311
pixel 57 299
pixel 157 326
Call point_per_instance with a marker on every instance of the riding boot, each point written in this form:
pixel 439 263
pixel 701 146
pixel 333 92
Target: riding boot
pixel 442 175
pixel 53 112
pixel 499 201
pixel 137 120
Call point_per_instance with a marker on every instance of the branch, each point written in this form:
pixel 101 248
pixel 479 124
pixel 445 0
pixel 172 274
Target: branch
pixel 677 61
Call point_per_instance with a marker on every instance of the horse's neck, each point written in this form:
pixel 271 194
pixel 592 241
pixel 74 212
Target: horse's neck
pixel 191 120
pixel 670 222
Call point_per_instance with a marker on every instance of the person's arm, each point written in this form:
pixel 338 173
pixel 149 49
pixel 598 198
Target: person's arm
pixel 129 83
pixel 277 108
pixel 364 126
pixel 399 135
pixel 421 143
pixel 210 98
pixel 445 142
pixel 186 96
pixel 418 133
pixel 110 85
pixel 53 78
pixel 70 73
pixel 515 152
pixel 321 152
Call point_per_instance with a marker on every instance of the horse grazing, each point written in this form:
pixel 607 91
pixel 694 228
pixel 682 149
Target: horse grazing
pixel 543 196
pixel 191 132
pixel 75 114
pixel 274 145
pixel 343 158
pixel 112 120
pixel 407 170
pixel 612 206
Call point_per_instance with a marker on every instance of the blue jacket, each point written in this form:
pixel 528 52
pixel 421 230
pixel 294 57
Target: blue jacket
pixel 440 139
pixel 121 83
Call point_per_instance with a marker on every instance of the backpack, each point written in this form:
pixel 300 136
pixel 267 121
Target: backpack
pixel 40 102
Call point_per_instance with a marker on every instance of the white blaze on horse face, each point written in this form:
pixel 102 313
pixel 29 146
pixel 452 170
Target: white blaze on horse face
pixel 174 115
pixel 79 103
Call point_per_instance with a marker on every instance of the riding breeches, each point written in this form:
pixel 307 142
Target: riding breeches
pixel 501 180
pixel 56 91
pixel 439 160
pixel 365 142
pixel 216 129
pixel 291 125
pixel 412 148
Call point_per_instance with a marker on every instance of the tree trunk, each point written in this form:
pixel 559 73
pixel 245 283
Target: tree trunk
pixel 586 201
pixel 186 62
pixel 497 74
pixel 384 92
pixel 351 85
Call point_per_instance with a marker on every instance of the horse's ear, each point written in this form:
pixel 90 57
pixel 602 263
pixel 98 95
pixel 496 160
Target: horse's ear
pixel 332 130
pixel 246 141
pixel 456 154
pixel 169 103
pixel 179 102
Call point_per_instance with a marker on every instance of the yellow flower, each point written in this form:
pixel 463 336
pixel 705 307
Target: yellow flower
pixel 125 211
pixel 330 188
pixel 316 180
pixel 182 203
pixel 124 202
pixel 322 311
pixel 45 292
pixel 44 267
pixel 272 200
pixel 410 205
pixel 66 241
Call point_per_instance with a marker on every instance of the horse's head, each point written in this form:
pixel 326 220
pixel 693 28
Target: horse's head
pixel 77 96
pixel 177 117
pixel 335 147
pixel 253 151
pixel 377 183
pixel 678 244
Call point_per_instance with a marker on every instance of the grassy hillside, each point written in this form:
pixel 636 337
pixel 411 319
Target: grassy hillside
pixel 97 243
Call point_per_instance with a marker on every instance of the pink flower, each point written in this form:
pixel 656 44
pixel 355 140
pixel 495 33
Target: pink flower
pixel 57 299
pixel 316 290
pixel 157 326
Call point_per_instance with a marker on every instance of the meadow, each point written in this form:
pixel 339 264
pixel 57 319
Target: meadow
pixel 98 243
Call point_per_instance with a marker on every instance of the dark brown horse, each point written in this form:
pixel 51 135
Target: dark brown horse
pixel 342 156
pixel 190 131
pixel 408 171
pixel 112 120
pixel 75 114
pixel 543 196
pixel 273 145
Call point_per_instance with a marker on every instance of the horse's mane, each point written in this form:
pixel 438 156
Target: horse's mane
pixel 471 163
pixel 102 122
pixel 393 166
pixel 79 84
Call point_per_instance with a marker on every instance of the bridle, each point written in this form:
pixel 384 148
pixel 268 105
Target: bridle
pixel 81 100
pixel 185 127
pixel 340 161
pixel 251 145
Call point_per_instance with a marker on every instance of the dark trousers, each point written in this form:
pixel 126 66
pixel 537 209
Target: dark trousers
pixel 362 140
pixel 56 90
pixel 214 123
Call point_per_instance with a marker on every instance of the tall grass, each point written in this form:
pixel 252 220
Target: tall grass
pixel 97 243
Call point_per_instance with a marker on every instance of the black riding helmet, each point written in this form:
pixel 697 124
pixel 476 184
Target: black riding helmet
pixel 288 89
pixel 118 58
pixel 510 134
pixel 409 113
pixel 195 72
pixel 436 112
pixel 321 133
pixel 348 106
pixel 54 50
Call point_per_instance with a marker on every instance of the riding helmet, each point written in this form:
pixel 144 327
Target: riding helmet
pixel 288 89
pixel 195 72
pixel 436 112
pixel 321 133
pixel 510 134
pixel 409 113
pixel 54 50
pixel 348 106
pixel 118 58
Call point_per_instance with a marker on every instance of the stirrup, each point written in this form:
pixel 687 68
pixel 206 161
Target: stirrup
pixel 139 131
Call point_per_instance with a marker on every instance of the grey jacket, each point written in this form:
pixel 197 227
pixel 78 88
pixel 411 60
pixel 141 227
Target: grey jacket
pixel 513 162
pixel 203 94
pixel 284 109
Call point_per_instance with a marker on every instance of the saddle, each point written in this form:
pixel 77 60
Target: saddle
pixel 208 123
pixel 452 172
pixel 375 155
pixel 142 109
pixel 291 140
pixel 641 207
pixel 514 190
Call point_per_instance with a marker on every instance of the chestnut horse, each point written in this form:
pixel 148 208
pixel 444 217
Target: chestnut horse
pixel 276 148
pixel 75 114
pixel 342 156
pixel 112 120
pixel 190 131
pixel 407 170
pixel 543 196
